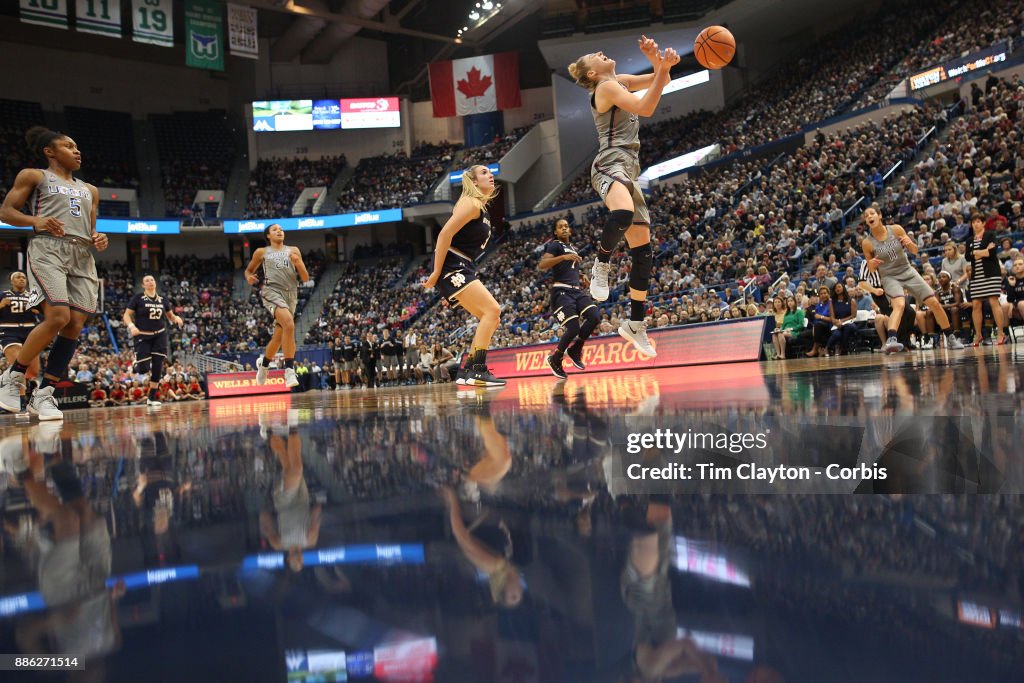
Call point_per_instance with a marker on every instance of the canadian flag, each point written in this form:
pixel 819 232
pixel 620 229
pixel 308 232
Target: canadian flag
pixel 475 85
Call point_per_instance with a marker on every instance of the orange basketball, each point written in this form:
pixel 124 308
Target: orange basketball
pixel 714 47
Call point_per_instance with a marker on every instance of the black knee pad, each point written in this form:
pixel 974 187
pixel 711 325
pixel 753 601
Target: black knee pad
pixel 615 227
pixel 643 262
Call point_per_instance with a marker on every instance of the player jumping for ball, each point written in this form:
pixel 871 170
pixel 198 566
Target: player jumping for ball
pixel 616 171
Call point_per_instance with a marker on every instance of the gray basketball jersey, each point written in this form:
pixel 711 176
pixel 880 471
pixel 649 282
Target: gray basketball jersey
pixel 278 271
pixel 891 252
pixel 70 202
pixel 616 128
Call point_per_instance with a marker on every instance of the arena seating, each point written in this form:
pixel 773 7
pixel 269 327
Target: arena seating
pixel 275 184
pixel 394 180
pixel 107 144
pixel 494 151
pixel 15 118
pixel 196 152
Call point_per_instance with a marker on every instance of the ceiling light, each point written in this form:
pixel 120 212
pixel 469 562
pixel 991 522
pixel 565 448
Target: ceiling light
pixel 458 41
pixel 474 15
pixel 465 28
pixel 487 5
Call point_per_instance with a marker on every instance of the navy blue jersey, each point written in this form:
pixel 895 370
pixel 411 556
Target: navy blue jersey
pixel 17 312
pixel 1014 288
pixel 471 241
pixel 349 350
pixel 564 272
pixel 149 312
pixel 387 347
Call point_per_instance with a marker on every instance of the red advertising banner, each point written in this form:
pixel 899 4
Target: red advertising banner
pixel 371 112
pixel 244 384
pixel 720 342
pixel 246 410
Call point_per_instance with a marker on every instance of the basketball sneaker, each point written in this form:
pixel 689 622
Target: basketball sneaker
pixel 290 378
pixel 44 405
pixel 10 390
pixel 555 363
pixel 261 371
pixel 575 354
pixel 13 456
pixel 599 288
pixel 480 376
pixel 892 346
pixel 637 333
pixel 953 343
pixel 463 371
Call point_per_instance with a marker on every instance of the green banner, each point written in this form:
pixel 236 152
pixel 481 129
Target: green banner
pixel 204 34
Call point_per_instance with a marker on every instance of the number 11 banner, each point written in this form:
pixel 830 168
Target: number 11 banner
pixel 102 17
pixel 153 22
pixel 52 13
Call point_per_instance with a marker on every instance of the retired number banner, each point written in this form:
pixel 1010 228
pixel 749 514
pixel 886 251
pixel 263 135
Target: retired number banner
pixel 153 22
pixel 52 13
pixel 242 31
pixel 102 17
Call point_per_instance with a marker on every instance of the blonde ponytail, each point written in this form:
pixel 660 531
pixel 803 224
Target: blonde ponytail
pixel 578 70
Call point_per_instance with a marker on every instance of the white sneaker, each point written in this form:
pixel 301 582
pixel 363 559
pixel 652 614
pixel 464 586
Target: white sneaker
pixel 892 346
pixel 599 281
pixel 11 384
pixel 637 333
pixel 953 343
pixel 153 403
pixel 290 378
pixel 261 371
pixel 44 405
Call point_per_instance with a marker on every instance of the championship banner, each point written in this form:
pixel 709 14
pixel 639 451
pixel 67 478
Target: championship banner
pixel 242 31
pixel 244 384
pixel 153 22
pixel 52 13
pixel 102 17
pixel 204 35
pixel 475 85
pixel 719 342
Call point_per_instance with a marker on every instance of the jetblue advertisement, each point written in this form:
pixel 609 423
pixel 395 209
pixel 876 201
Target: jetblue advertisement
pixel 344 220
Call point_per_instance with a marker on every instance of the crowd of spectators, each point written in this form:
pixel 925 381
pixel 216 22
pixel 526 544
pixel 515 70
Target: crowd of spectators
pixel 966 28
pixel 390 181
pixel 196 152
pixel 493 151
pixel 276 184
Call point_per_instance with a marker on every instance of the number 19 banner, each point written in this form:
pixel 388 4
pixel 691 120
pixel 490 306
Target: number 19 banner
pixel 204 34
pixel 153 22
pixel 102 17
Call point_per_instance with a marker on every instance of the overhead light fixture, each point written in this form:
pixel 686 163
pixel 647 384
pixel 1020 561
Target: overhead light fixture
pixel 465 28
pixel 488 5
pixel 474 15
pixel 458 41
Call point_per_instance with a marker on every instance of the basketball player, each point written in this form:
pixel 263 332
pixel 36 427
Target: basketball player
pixel 294 525
pixel 569 304
pixel 461 241
pixel 884 252
pixel 144 318
pixel 280 295
pixel 61 269
pixel 17 318
pixel 616 170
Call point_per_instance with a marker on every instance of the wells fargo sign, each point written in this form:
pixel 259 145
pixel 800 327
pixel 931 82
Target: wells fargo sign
pixel 244 384
pixel 722 342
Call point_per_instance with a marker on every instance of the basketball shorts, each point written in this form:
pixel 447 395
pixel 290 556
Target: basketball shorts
pixel 908 279
pixel 77 567
pixel 569 302
pixel 390 363
pixel 458 274
pixel 63 272
pixel 149 345
pixel 615 165
pixel 13 336
pixel 274 299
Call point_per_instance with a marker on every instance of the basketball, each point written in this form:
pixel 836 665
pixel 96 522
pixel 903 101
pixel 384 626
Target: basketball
pixel 714 47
